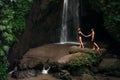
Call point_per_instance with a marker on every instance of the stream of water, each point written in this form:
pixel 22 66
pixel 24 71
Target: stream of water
pixel 70 12
pixel 63 37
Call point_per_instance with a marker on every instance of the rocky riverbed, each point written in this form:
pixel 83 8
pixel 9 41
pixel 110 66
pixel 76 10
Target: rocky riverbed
pixel 60 54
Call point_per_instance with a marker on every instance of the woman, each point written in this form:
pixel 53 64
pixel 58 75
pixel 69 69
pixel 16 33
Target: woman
pixel 80 34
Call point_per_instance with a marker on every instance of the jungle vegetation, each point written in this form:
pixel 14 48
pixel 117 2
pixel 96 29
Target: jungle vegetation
pixel 12 24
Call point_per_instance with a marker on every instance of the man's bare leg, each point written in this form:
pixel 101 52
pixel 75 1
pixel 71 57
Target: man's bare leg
pixel 95 44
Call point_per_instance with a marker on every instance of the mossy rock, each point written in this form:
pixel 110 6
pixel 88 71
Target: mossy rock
pixel 111 69
pixel 115 66
pixel 75 49
pixel 78 71
pixel 110 64
pixel 70 57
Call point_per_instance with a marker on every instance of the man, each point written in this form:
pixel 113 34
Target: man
pixel 95 45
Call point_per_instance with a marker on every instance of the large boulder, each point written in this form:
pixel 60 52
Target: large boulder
pixel 69 57
pixel 111 66
pixel 107 63
pixel 51 52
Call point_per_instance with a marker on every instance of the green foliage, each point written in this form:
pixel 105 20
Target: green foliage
pixel 20 9
pixel 85 63
pixel 111 14
pixel 86 60
pixel 112 18
pixel 1 3
pixel 3 61
pixel 45 3
pixel 11 25
pixel 81 61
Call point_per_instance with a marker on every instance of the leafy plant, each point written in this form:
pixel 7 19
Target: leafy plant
pixel 11 25
pixel 86 60
pixel 111 15
pixel 81 61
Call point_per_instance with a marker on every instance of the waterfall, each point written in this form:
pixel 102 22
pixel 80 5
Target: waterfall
pixel 70 12
pixel 63 37
pixel 45 71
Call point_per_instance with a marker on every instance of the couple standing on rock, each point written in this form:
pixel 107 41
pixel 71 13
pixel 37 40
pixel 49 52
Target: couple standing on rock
pixel 92 35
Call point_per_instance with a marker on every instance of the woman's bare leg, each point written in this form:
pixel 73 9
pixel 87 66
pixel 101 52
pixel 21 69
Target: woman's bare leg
pixel 81 43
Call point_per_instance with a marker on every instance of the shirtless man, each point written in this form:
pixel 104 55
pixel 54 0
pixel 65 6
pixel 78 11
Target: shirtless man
pixel 95 45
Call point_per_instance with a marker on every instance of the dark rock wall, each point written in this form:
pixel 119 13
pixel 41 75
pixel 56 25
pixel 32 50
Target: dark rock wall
pixel 91 17
pixel 72 19
pixel 42 26
pixel 46 25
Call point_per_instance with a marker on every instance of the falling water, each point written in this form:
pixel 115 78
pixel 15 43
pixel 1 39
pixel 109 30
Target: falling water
pixel 63 37
pixel 45 71
pixel 70 12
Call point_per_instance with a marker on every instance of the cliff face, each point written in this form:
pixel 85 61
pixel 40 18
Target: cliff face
pixel 46 21
pixel 42 26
